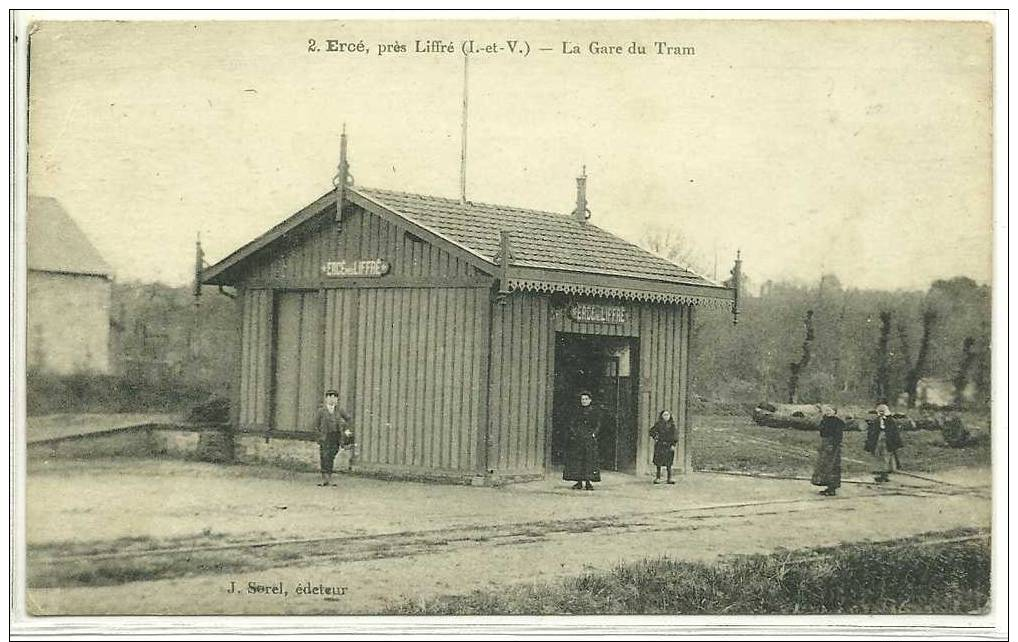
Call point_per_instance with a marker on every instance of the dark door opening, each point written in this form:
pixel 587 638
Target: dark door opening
pixel 606 367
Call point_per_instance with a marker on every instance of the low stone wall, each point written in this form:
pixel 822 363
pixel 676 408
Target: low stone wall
pixel 293 452
pixel 178 443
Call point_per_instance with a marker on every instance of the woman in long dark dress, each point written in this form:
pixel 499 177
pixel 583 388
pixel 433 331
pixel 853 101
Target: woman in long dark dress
pixel 665 437
pixel 828 467
pixel 581 465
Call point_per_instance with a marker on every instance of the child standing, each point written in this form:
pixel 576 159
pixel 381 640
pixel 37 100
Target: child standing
pixel 665 437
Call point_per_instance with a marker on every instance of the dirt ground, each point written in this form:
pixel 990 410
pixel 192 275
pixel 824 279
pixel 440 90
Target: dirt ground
pixel 386 541
pixel 736 443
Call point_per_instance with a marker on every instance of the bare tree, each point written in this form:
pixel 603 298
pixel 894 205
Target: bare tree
pixel 961 380
pixel 984 363
pixel 670 243
pixel 796 367
pixel 901 361
pixel 839 367
pixel 918 369
pixel 883 366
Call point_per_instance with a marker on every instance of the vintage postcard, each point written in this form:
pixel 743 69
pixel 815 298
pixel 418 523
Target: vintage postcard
pixel 468 315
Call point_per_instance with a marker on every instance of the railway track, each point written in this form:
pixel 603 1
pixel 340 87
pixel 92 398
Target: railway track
pixel 483 532
pixel 56 568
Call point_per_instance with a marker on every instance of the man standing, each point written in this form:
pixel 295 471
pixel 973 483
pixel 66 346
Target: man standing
pixel 332 425
pixel 883 441
pixel 582 464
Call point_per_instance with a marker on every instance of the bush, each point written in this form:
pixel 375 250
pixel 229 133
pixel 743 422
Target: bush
pixel 214 410
pixel 94 393
pixel 955 434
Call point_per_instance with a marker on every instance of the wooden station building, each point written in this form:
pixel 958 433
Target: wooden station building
pixel 459 334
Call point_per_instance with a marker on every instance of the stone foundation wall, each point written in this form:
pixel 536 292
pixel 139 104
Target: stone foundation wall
pixel 247 448
pixel 289 453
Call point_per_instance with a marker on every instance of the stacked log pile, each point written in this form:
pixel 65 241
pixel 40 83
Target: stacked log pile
pixel 807 417
pixel 797 416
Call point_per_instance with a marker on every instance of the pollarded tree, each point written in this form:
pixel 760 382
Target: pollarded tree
pixel 882 383
pixel 920 365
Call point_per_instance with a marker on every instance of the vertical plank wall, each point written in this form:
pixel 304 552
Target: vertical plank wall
pixel 663 372
pixel 291 267
pixel 340 347
pixel 420 364
pixel 520 395
pixel 256 346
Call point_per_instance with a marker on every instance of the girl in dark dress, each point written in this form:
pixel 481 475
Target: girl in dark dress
pixel 828 467
pixel 665 437
pixel 581 465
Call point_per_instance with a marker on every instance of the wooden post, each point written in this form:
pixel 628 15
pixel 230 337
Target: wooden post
pixel 237 365
pixel 687 438
pixel 484 451
pixel 505 254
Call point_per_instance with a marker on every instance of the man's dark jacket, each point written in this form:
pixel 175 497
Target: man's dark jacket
pixel 890 431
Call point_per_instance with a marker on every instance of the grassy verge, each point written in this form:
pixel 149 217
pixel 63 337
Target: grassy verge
pixel 736 443
pixel 906 576
pixel 49 566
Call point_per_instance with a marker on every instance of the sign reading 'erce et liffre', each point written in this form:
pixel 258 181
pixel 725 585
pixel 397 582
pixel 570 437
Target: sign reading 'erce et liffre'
pixel 352 269
pixel 595 313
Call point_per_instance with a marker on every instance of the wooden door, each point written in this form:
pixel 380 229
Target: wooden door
pixel 297 360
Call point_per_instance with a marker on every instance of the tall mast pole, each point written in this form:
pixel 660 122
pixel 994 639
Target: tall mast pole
pixel 463 134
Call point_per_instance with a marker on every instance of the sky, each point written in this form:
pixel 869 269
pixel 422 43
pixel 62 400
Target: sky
pixel 859 149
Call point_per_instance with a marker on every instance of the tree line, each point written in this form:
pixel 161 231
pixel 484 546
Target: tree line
pixel 822 342
pixel 798 343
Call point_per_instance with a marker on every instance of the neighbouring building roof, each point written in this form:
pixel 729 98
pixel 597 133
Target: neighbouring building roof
pixel 57 244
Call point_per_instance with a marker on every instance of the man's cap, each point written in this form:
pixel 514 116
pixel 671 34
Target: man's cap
pixel 331 393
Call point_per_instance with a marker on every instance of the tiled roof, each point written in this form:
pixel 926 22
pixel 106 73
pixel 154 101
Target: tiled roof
pixel 57 244
pixel 539 239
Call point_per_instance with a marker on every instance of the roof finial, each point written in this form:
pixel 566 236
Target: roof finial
pixel 736 286
pixel 343 178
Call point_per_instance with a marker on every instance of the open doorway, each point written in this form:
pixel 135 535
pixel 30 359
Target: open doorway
pixel 605 367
